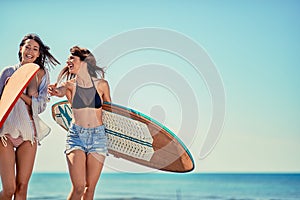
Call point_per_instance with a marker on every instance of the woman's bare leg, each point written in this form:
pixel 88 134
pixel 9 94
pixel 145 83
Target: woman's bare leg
pixel 25 156
pixel 93 170
pixel 76 163
pixel 7 171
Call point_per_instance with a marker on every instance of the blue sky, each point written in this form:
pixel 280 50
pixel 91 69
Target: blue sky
pixel 253 44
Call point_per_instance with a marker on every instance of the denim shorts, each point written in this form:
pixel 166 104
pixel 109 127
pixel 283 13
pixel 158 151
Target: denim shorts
pixel 89 140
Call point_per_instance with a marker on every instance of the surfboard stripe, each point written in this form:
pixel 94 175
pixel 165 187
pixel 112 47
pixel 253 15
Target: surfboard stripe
pixel 129 147
pixel 128 138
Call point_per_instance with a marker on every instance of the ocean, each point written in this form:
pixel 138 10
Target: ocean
pixel 165 186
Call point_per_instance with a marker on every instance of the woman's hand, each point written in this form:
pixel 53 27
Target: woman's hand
pixel 52 90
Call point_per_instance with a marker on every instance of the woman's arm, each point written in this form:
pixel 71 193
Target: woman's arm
pixel 26 99
pixel 39 102
pixel 106 91
pixel 34 87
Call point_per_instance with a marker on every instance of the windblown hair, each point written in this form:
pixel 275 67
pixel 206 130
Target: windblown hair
pixel 86 56
pixel 45 58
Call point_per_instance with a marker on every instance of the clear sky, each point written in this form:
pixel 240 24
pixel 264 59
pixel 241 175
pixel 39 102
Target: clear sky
pixel 254 45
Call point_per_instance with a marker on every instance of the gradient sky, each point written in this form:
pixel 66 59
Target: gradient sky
pixel 253 44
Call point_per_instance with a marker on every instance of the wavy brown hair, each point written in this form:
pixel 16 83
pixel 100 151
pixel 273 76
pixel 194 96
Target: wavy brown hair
pixel 86 56
pixel 45 58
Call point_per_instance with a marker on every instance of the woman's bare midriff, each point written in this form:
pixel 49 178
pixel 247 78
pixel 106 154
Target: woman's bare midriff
pixel 87 117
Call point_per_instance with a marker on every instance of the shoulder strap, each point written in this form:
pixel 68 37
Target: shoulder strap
pixel 92 81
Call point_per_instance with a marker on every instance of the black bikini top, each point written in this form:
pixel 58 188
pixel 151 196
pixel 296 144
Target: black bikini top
pixel 86 97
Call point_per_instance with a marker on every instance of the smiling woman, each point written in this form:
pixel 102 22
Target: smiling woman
pixel 86 146
pixel 21 131
pixel 30 51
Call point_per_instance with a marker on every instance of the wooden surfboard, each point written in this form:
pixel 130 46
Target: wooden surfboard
pixel 14 88
pixel 136 137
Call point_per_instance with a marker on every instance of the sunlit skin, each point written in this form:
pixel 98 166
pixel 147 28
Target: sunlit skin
pixel 80 116
pixel 16 182
pixel 84 169
pixel 30 52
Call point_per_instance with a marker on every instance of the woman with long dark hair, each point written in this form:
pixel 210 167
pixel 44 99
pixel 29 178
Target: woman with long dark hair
pixel 23 128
